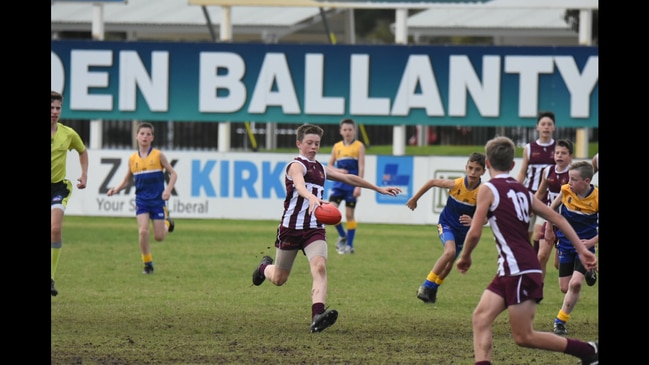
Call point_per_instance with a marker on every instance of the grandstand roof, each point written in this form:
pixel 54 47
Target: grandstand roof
pixel 498 22
pixel 184 20
pixel 173 19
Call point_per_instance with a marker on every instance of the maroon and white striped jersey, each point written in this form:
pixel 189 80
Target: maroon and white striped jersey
pixel 539 156
pixel 509 217
pixel 296 207
pixel 555 179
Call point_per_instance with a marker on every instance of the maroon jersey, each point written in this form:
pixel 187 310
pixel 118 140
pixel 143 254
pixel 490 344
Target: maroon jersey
pixel 539 156
pixel 296 207
pixel 509 218
pixel 555 179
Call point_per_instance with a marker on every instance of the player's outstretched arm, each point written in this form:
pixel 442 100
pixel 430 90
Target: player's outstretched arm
pixel 350 179
pixel 441 183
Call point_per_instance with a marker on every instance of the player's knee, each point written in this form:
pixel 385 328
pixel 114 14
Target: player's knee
pixel 479 318
pixel 575 286
pixel 318 267
pixel 278 279
pixel 278 282
pixel 449 254
pixel 543 257
pixel 55 230
pixel 523 339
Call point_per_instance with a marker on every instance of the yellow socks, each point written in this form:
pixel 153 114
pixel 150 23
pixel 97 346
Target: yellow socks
pixel 563 316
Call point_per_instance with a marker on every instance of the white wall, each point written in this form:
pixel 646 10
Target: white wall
pixel 250 186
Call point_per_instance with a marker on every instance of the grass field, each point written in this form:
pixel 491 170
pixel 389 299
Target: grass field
pixel 199 307
pixel 430 150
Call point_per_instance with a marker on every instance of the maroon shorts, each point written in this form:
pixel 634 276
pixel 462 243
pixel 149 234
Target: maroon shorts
pixel 298 239
pixel 517 289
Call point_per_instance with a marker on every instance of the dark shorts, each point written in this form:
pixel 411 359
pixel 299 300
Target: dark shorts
pixel 298 239
pixel 338 195
pixel 517 289
pixel 569 262
pixel 60 191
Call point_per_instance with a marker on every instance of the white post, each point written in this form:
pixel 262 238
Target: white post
pixel 225 35
pixel 401 37
pixel 96 132
pixel 98 22
pixel 585 39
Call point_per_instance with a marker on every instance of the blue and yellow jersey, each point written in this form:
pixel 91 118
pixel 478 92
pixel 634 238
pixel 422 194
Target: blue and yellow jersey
pixel 460 201
pixel 346 158
pixel 581 213
pixel 65 139
pixel 148 176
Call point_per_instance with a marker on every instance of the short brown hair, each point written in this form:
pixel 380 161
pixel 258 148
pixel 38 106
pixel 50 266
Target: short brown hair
pixel 145 125
pixel 305 129
pixel 585 169
pixel 56 96
pixel 478 158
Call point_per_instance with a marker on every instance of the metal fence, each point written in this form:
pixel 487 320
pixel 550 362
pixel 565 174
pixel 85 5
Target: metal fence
pixel 204 136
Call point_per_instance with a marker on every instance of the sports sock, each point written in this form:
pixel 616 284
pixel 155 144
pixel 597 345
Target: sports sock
pixel 55 253
pixel 351 233
pixel 262 269
pixel 341 230
pixel 317 308
pixel 147 258
pixel 431 280
pixel 562 317
pixel 579 349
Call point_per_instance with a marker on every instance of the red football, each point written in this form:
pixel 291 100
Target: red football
pixel 328 214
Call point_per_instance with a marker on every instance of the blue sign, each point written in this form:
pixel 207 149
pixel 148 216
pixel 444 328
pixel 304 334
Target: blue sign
pixel 374 85
pixel 395 171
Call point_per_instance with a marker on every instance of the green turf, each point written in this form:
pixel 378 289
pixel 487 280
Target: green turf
pixel 431 150
pixel 199 307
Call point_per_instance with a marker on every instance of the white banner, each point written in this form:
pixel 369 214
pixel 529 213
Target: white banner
pixel 243 185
